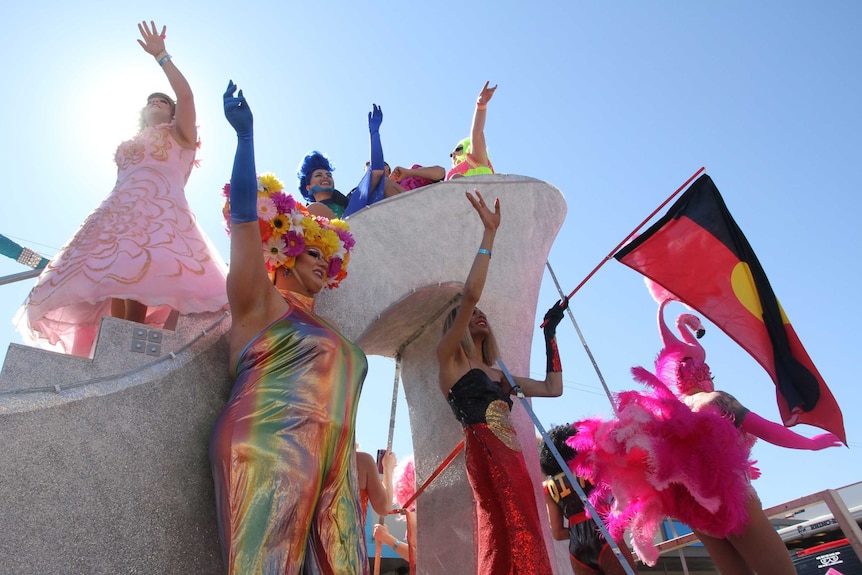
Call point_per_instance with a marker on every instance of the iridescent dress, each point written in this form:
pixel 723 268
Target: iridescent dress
pixel 509 538
pixel 283 453
pixel 142 243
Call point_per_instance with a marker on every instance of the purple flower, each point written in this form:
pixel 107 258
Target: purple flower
pixel 295 244
pixel 346 238
pixel 284 203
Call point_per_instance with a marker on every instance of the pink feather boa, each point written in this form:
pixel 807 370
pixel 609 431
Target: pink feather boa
pixel 658 459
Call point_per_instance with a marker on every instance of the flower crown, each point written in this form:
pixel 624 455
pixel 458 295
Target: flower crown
pixel 286 229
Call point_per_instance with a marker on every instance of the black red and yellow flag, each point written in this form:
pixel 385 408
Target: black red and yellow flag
pixel 698 253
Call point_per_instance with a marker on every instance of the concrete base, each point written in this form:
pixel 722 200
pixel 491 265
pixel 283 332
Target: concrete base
pixel 113 476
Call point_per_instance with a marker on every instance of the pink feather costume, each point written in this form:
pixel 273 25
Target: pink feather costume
pixel 404 480
pixel 658 458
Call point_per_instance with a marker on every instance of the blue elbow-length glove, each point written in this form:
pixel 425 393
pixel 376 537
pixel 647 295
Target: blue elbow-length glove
pixel 375 118
pixel 243 179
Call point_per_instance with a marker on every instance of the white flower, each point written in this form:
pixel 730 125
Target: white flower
pixel 295 219
pixel 272 251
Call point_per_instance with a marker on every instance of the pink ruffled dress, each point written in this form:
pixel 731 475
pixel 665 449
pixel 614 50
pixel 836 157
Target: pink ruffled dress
pixel 142 243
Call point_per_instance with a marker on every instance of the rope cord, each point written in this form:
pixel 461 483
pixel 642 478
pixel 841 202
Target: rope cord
pixel 440 468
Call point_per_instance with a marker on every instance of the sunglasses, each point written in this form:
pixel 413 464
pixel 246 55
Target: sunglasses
pixel 458 151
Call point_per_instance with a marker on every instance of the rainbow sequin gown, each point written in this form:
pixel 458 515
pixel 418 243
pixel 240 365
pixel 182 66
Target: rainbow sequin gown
pixel 282 452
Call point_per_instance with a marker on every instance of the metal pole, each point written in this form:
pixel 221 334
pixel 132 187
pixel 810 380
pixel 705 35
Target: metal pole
pixel 565 467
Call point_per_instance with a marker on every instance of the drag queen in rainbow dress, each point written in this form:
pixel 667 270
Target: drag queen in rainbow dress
pixel 282 451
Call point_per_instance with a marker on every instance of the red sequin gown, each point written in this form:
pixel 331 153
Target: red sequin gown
pixel 509 538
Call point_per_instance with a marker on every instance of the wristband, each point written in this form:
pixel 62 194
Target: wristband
pixel 483 251
pixel 481 106
pixel 164 59
pixel 396 544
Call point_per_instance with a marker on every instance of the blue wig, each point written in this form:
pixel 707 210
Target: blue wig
pixel 313 161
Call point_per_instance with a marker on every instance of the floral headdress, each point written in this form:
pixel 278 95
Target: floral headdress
pixel 287 228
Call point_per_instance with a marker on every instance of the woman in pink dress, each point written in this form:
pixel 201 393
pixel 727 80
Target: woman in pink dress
pixel 141 253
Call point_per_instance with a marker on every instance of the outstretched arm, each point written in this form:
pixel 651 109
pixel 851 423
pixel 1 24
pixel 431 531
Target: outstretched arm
pixel 779 435
pixel 185 127
pixel 477 132
pixel 433 173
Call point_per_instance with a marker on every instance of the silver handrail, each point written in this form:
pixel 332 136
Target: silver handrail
pixel 19 277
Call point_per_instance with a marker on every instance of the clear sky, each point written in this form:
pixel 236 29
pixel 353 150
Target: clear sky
pixel 614 103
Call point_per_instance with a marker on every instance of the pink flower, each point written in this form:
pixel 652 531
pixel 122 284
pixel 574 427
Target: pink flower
pixel 284 203
pixel 346 238
pixel 334 267
pixel 295 244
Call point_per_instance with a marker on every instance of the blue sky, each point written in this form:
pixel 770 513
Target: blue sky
pixel 614 103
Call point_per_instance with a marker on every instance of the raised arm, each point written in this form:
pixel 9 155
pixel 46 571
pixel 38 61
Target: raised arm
pixel 477 132
pixel 248 284
pixel 375 118
pixel 448 350
pixel 185 130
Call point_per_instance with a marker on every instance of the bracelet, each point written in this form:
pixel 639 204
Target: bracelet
pixel 396 544
pixel 481 106
pixel 483 251
pixel 163 60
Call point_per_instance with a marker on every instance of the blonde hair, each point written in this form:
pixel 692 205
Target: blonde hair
pixel 142 115
pixel 490 350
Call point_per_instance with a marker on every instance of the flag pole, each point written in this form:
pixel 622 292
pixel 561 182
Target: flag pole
pixel 637 229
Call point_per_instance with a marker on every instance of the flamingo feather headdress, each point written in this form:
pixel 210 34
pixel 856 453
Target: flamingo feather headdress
pixel 681 364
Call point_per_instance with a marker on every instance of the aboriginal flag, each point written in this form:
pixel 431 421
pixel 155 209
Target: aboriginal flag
pixel 699 254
